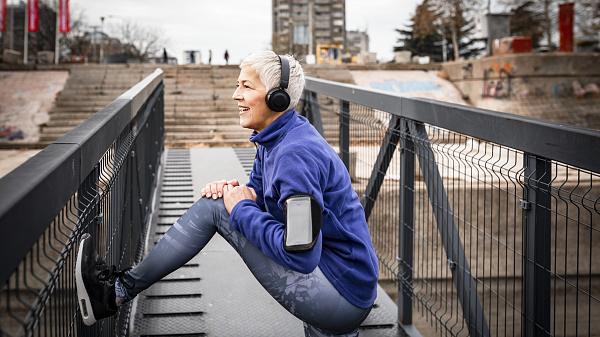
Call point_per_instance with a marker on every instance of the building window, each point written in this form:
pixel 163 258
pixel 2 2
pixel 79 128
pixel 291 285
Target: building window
pixel 300 34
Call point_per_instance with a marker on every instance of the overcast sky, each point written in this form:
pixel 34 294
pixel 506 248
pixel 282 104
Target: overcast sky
pixel 241 26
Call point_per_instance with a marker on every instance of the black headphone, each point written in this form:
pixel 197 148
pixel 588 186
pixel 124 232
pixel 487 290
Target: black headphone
pixel 277 98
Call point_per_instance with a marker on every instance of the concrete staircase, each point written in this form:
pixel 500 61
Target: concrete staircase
pixel 88 89
pixel 199 110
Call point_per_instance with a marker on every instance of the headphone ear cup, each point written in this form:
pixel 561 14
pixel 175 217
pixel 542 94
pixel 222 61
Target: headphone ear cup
pixel 278 100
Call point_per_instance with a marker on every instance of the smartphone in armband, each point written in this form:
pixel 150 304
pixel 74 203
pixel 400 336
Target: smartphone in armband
pixel 303 223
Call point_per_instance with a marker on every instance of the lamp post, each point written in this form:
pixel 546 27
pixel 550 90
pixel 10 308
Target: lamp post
pixel 26 35
pixel 310 27
pixel 57 39
pixel 101 39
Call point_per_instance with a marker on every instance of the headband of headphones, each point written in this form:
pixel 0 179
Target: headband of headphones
pixel 285 72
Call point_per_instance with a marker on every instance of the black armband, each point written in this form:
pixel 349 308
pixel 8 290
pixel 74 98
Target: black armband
pixel 303 222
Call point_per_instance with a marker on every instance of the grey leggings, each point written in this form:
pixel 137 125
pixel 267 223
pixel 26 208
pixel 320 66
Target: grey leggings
pixel 309 297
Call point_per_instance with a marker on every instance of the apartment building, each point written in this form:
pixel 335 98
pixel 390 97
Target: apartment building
pixel 302 27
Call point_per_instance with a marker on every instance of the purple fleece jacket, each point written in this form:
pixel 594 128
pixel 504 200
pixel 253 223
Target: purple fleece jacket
pixel 292 158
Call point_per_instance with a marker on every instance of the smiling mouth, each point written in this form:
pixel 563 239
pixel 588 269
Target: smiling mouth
pixel 243 109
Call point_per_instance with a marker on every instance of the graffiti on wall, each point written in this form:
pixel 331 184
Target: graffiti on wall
pixel 403 87
pixel 497 80
pixel 574 88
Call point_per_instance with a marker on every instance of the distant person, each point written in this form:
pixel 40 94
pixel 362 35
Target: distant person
pixel 193 57
pixel 209 56
pixel 298 225
pixel 226 57
pixel 165 56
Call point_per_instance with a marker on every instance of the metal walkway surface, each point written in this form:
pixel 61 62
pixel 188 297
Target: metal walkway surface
pixel 215 294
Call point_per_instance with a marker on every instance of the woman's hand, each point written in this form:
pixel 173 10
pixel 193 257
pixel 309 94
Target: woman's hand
pixel 234 194
pixel 215 189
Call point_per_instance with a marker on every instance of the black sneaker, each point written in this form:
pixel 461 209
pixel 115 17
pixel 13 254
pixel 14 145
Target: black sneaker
pixel 95 283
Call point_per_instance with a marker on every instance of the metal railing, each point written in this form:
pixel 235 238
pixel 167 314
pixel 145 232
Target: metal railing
pixel 100 178
pixel 489 223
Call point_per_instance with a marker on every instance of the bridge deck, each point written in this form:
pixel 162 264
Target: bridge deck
pixel 214 294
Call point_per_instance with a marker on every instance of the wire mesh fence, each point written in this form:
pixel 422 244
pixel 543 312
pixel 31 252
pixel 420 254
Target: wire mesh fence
pixel 481 238
pixel 112 203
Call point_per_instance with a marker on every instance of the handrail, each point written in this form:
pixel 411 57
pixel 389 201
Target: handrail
pixel 31 196
pixel 564 143
pixel 490 189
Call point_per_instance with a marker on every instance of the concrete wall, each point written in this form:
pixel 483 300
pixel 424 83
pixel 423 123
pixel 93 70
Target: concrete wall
pixel 559 87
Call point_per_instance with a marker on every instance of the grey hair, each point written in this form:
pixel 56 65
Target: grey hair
pixel 266 64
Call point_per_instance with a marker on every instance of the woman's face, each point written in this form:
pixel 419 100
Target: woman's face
pixel 250 95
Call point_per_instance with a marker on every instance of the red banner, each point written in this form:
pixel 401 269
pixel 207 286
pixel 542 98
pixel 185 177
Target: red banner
pixel 2 15
pixel 565 25
pixel 33 16
pixel 63 16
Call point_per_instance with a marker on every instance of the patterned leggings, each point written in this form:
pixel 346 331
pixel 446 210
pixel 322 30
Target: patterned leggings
pixel 309 297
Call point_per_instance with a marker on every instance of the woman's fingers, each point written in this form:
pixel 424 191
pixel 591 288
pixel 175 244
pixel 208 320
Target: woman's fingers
pixel 217 188
pixel 213 190
pixel 253 193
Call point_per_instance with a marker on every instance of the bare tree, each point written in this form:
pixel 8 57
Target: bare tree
pixel 143 41
pixel 454 16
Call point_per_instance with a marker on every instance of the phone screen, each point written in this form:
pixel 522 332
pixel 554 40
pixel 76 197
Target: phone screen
pixel 299 222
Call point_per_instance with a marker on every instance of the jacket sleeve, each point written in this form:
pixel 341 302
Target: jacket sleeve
pixel 295 173
pixel 255 180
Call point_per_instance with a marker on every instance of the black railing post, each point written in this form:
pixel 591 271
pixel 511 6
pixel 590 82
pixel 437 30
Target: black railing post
pixel 345 133
pixel 312 111
pixel 536 205
pixel 406 228
pixel 384 157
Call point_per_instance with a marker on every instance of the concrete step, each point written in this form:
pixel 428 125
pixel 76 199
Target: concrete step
pixel 199 90
pixel 56 130
pixel 77 91
pixel 206 97
pixel 60 110
pixel 187 136
pixel 57 116
pixel 201 120
pixel 201 106
pixel 191 143
pixel 184 106
pixel 229 128
pixel 92 100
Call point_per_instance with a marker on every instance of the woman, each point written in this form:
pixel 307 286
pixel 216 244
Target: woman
pixel 327 277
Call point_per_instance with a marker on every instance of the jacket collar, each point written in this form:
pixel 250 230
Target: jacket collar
pixel 274 132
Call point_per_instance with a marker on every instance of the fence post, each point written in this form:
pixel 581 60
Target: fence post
pixel 536 205
pixel 312 111
pixel 315 110
pixel 384 157
pixel 345 133
pixel 406 228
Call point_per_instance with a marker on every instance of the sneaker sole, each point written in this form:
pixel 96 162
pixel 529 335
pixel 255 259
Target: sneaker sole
pixel 85 307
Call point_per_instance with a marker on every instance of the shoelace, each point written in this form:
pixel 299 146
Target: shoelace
pixel 109 274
